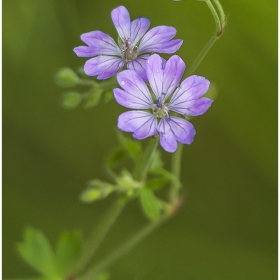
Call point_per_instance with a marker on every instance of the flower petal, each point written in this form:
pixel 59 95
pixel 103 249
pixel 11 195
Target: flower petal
pixel 141 123
pixel 172 74
pixel 139 65
pixel 98 43
pixel 103 67
pixel 139 27
pixel 175 129
pixel 121 19
pixel 154 70
pixel 136 94
pixel 158 40
pixel 186 99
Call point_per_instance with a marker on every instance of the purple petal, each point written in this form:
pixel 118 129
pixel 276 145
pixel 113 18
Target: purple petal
pixel 175 129
pixel 154 70
pixel 136 94
pixel 186 99
pixel 139 27
pixel 103 67
pixel 172 74
pixel 98 43
pixel 158 40
pixel 139 65
pixel 141 123
pixel 121 19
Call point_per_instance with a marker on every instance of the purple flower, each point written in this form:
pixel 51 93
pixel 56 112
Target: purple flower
pixel 162 108
pixel 133 49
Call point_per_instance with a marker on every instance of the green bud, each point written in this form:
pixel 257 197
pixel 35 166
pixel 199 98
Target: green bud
pixel 126 182
pixel 96 190
pixel 66 77
pixel 71 99
pixel 92 98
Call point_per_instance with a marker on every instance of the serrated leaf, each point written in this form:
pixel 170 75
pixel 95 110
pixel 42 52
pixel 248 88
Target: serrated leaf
pixel 37 252
pixel 150 204
pixel 156 183
pixel 96 190
pixel 132 147
pixel 67 250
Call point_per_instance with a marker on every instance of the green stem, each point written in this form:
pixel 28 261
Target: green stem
pixel 98 235
pixel 124 248
pixel 220 20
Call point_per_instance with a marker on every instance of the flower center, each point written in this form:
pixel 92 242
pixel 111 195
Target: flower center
pixel 160 109
pixel 129 51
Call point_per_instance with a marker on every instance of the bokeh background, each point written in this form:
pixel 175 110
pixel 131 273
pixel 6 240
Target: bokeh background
pixel 227 228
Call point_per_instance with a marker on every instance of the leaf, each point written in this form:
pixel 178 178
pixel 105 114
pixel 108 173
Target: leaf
pixel 67 249
pixel 71 99
pixel 36 251
pixel 156 183
pixel 92 98
pixel 156 161
pixel 166 174
pixel 66 77
pixel 132 147
pixel 96 190
pixel 116 156
pixel 150 204
pixel 102 276
pixel 108 96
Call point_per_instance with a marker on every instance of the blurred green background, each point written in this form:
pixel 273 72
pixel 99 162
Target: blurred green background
pixel 227 228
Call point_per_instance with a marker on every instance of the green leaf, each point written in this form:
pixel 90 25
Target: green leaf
pixel 108 96
pixel 102 276
pixel 36 251
pixel 166 174
pixel 116 156
pixel 71 99
pixel 131 146
pixel 156 183
pixel 92 98
pixel 156 161
pixel 96 190
pixel 68 247
pixel 150 204
pixel 66 77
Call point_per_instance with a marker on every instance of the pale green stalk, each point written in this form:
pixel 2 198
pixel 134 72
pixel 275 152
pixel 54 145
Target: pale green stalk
pixel 220 20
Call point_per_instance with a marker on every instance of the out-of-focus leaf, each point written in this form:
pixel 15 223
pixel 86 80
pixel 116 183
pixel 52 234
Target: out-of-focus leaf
pixel 67 250
pixel 166 174
pixel 71 99
pixel 108 95
pixel 103 276
pixel 131 146
pixel 127 182
pixel 93 98
pixel 156 161
pixel 150 204
pixel 96 190
pixel 37 252
pixel 156 183
pixel 116 156
pixel 66 77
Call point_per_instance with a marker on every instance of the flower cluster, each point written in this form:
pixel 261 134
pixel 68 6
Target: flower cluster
pixel 151 85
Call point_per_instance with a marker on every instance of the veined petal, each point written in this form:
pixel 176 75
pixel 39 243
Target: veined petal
pixel 175 129
pixel 98 43
pixel 136 94
pixel 138 28
pixel 141 123
pixel 186 99
pixel 154 70
pixel 139 65
pixel 121 19
pixel 103 67
pixel 158 40
pixel 172 74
